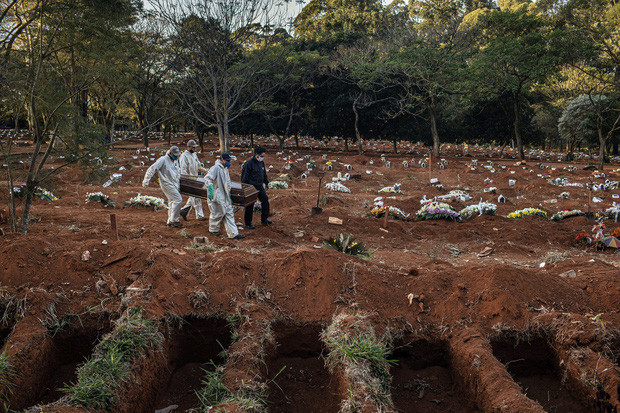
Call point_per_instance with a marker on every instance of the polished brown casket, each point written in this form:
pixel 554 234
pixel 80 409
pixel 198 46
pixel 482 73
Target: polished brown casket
pixel 241 194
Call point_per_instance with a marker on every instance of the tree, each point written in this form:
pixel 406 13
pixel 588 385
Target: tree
pixel 427 57
pixel 221 55
pixel 335 22
pixel 520 49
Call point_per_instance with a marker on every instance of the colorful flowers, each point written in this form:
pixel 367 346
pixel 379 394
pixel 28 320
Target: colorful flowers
pixel 612 212
pixel 338 187
pixel 527 212
pixel 480 208
pixel 41 193
pixel 396 213
pixel 558 216
pixel 438 210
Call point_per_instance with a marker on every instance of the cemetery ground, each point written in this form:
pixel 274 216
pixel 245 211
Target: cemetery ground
pixel 489 314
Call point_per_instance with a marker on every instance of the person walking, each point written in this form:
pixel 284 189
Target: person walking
pixel 253 172
pixel 167 167
pixel 190 165
pixel 219 198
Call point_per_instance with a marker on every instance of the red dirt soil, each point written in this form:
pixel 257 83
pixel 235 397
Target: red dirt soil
pixel 283 268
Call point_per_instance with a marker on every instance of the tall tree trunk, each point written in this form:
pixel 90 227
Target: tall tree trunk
pixel 434 133
pixel 346 143
pixel 517 125
pixel 601 141
pixel 296 141
pixel 358 135
pixel 394 143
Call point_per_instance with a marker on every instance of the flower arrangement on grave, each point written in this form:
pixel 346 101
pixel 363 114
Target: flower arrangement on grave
pixel 480 208
pixel 347 244
pixel 278 185
pixel 558 216
pixel 526 212
pixel 391 189
pixel 311 164
pixel 583 238
pixel 455 194
pixel 100 197
pixel 612 212
pixel 337 187
pixel 147 201
pixel 41 193
pixel 437 210
pixel 558 181
pixel 396 213
pixel 564 195
pixel 257 207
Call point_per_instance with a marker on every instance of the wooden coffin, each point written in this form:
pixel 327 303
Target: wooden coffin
pixel 242 194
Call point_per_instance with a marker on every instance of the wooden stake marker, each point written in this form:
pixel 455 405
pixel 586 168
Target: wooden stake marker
pixel 113 225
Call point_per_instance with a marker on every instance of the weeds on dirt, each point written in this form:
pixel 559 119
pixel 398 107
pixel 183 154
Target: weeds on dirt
pixel 553 257
pixel 436 248
pixel 354 348
pixel 214 391
pixel 12 308
pixel 99 378
pixel 54 324
pixel 7 376
pixel 184 233
pixel 199 299
pixel 202 246
pixel 346 243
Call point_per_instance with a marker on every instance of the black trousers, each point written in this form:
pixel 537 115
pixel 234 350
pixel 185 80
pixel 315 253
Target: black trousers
pixel 264 203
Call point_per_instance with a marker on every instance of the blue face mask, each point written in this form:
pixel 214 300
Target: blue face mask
pixel 174 157
pixel 227 164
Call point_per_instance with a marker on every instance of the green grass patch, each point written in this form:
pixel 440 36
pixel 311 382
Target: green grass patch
pixel 100 377
pixel 347 244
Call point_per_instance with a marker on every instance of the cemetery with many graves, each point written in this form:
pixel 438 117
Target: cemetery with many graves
pixel 389 281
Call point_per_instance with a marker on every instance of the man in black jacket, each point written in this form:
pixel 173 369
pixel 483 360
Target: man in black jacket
pixel 253 172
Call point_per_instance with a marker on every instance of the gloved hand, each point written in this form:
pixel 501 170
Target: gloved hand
pixel 145 184
pixel 210 192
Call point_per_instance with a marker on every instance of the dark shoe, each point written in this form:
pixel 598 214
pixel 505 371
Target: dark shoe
pixel 175 225
pixel 217 234
pixel 203 219
pixel 239 236
pixel 184 212
pixel 250 226
pixel 267 222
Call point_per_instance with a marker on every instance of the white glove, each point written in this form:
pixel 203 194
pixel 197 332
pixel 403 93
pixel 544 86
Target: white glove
pixel 145 184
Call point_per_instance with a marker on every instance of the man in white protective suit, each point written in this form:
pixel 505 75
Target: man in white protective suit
pixel 167 167
pixel 219 198
pixel 190 166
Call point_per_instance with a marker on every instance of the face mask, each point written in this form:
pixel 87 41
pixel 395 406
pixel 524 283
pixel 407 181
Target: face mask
pixel 191 151
pixel 174 157
pixel 260 158
pixel 227 164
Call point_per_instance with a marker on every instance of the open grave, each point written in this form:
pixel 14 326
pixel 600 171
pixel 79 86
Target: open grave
pixel 298 378
pixel 533 365
pixel 422 379
pixel 190 350
pixel 65 351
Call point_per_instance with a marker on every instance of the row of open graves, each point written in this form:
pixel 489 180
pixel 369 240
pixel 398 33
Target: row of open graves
pixel 254 362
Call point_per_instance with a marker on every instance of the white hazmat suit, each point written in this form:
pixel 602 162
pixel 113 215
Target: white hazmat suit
pixel 169 181
pixel 221 205
pixel 190 166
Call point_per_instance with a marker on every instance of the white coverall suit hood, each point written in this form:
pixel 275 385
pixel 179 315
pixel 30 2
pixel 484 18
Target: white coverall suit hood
pixel 190 166
pixel 221 207
pixel 169 181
